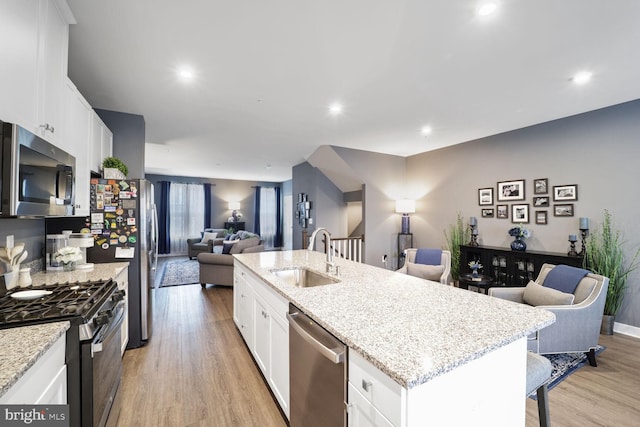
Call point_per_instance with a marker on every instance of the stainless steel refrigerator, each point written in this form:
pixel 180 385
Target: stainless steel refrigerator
pixel 124 224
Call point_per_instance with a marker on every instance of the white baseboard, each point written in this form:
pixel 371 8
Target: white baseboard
pixel 624 329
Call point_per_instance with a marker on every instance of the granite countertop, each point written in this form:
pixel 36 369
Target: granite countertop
pixel 20 349
pixel 410 329
pixel 99 272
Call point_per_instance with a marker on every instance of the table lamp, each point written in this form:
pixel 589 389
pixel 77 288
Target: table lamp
pixel 405 207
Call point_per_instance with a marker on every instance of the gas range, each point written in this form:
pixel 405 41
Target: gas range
pixel 78 302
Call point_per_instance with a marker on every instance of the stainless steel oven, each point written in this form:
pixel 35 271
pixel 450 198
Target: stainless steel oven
pixel 96 311
pixel 102 368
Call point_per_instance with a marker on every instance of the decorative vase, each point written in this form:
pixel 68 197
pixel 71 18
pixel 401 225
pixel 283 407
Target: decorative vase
pixel 474 273
pixel 519 244
pixel 69 266
pixel 607 324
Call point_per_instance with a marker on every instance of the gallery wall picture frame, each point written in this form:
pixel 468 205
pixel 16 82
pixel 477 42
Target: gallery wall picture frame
pixel 502 211
pixel 563 209
pixel 485 196
pixel 562 193
pixel 511 190
pixel 487 213
pixel 541 186
pixel 541 217
pixel 520 213
pixel 541 202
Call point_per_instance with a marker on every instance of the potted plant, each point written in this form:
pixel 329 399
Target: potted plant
pixel 114 166
pixel 605 256
pixel 458 234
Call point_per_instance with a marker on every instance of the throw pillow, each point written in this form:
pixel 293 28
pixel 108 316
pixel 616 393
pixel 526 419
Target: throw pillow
pixel 428 272
pixel 208 236
pixel 227 245
pixel 535 294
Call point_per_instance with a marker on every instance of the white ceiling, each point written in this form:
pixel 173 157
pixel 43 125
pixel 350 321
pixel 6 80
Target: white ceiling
pixel 266 71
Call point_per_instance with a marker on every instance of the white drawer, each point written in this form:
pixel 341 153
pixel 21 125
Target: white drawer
pixel 384 393
pixel 362 413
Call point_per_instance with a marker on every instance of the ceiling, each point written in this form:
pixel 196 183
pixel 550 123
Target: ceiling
pixel 265 73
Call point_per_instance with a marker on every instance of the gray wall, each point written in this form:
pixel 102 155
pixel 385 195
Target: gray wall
pixel 598 151
pixel 128 139
pixel 31 232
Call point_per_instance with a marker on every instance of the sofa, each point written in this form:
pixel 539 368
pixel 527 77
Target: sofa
pixel 217 268
pixel 209 238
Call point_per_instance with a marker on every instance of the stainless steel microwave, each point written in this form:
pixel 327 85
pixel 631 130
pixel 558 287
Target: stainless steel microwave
pixel 37 178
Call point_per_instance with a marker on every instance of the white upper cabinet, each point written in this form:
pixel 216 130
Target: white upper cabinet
pixel 76 141
pixel 101 142
pixel 18 68
pixel 53 45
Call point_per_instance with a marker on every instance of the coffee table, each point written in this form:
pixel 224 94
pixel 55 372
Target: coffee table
pixel 481 282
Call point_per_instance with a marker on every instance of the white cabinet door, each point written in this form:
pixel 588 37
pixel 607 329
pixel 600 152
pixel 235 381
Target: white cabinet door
pixel 76 141
pixel 19 47
pixel 243 309
pixel 261 344
pixel 107 142
pixel 95 149
pixel 52 68
pixel 279 368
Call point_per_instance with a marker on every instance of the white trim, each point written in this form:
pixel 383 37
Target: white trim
pixel 624 329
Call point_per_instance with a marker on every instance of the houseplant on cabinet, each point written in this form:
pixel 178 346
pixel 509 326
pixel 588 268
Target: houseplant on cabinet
pixel 605 255
pixel 114 168
pixel 458 234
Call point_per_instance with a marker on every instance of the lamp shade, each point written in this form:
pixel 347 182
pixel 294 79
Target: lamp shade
pixel 405 206
pixel 234 206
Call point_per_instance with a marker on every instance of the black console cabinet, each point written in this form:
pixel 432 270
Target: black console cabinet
pixel 511 268
pixel 236 226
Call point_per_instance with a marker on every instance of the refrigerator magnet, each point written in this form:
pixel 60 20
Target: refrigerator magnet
pixel 131 221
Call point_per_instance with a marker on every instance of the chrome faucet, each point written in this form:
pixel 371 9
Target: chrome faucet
pixel 329 264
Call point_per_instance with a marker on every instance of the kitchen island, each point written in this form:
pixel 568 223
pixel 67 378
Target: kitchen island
pixel 456 356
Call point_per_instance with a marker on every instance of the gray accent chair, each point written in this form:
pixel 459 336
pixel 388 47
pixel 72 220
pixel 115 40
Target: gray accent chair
pixel 196 246
pixel 445 261
pixel 217 269
pixel 577 326
pixel 538 373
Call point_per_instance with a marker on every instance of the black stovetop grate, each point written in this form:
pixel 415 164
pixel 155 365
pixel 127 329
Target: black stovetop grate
pixel 76 302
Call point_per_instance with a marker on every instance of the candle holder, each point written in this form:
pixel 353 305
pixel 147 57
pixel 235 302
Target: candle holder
pixel 583 235
pixel 474 236
pixel 572 249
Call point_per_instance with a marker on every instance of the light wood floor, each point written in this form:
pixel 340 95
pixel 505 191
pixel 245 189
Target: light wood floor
pixel 196 371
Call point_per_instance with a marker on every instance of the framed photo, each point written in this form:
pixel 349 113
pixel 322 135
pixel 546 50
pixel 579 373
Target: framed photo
pixel 502 211
pixel 487 213
pixel 485 196
pixel 541 217
pixel 520 213
pixel 541 202
pixel 565 192
pixel 511 190
pixel 563 209
pixel 541 186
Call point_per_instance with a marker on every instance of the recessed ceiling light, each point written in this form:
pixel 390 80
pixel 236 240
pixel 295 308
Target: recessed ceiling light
pixel 335 109
pixel 485 9
pixel 185 73
pixel 582 77
pixel 426 130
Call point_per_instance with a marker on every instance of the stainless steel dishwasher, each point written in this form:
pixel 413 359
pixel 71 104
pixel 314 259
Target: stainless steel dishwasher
pixel 317 374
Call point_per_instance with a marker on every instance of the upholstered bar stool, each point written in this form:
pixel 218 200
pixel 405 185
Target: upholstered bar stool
pixel 538 372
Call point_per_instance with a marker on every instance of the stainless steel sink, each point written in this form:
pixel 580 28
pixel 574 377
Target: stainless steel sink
pixel 302 277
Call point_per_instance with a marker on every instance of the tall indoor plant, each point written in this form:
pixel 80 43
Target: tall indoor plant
pixel 605 256
pixel 458 234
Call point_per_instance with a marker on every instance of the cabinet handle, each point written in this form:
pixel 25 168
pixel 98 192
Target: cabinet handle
pixel 366 385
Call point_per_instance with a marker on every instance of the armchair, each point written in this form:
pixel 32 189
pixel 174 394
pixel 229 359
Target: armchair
pixel 577 325
pixel 438 275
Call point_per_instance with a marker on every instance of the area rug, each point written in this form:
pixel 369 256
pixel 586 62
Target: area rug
pixel 563 365
pixel 180 272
